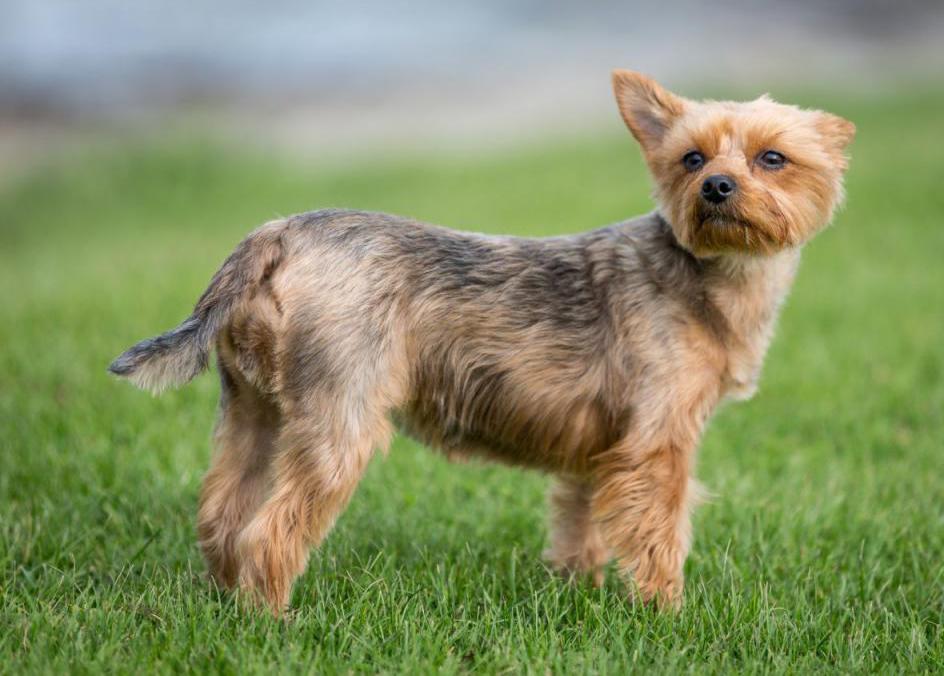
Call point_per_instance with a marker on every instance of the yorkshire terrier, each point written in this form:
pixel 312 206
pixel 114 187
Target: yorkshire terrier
pixel 597 357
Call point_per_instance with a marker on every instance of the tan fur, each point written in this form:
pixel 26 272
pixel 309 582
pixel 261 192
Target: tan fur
pixel 577 544
pixel 597 357
pixel 238 479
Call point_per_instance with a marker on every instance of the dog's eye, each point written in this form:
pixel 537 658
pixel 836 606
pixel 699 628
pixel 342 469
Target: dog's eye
pixel 771 159
pixel 693 160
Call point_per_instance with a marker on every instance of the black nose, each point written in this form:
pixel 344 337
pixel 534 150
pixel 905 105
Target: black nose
pixel 716 189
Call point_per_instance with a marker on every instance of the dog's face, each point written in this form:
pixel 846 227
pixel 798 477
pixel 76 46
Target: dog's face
pixel 754 177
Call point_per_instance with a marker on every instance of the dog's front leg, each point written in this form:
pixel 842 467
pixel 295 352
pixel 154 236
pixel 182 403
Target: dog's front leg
pixel 643 497
pixel 576 546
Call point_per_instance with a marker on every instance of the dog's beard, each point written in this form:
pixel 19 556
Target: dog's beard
pixel 725 229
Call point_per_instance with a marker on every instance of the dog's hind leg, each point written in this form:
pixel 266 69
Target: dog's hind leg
pixel 238 479
pixel 322 454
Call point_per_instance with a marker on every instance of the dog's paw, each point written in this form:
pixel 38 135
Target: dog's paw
pixel 263 580
pixel 664 595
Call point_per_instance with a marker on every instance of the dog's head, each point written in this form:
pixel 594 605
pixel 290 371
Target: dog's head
pixel 754 177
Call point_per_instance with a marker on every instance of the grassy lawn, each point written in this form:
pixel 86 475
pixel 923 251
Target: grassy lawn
pixel 823 547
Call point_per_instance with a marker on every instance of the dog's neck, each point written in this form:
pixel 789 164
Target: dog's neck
pixel 749 291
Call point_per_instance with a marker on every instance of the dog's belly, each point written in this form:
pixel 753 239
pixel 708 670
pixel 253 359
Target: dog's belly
pixel 561 436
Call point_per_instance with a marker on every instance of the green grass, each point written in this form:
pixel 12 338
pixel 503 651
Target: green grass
pixel 821 550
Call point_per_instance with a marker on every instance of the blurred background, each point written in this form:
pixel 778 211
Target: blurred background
pixel 344 77
pixel 141 140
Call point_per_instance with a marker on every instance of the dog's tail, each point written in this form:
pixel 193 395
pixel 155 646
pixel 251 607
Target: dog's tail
pixel 176 357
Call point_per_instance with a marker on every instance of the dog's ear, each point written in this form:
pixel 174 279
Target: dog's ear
pixel 837 133
pixel 648 109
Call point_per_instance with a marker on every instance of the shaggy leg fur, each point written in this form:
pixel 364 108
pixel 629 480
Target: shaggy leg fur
pixel 643 511
pixel 577 546
pixel 316 473
pixel 237 481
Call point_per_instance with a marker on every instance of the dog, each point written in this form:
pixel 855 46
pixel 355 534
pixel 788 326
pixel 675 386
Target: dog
pixel 597 357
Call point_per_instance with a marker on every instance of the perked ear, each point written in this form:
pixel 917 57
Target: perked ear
pixel 837 132
pixel 648 109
